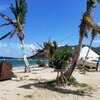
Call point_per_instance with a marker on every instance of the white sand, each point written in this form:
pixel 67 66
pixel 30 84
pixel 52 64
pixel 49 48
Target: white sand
pixel 29 89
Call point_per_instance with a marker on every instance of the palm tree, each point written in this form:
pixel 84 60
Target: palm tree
pixel 93 36
pixel 19 12
pixel 47 49
pixel 94 33
pixel 85 25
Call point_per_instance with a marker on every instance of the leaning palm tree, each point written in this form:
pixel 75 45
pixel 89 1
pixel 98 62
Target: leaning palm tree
pixel 19 11
pixel 47 49
pixel 94 33
pixel 85 25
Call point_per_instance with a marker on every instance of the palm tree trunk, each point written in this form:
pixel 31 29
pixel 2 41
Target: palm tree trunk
pixel 27 68
pixel 69 72
pixel 97 65
pixel 87 52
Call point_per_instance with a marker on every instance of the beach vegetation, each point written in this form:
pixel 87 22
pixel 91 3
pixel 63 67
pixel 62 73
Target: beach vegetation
pixel 59 59
pixel 47 49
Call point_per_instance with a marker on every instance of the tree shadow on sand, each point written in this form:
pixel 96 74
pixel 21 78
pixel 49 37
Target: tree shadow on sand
pixel 44 85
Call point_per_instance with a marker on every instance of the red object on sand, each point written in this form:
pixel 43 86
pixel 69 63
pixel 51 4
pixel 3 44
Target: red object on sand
pixel 73 58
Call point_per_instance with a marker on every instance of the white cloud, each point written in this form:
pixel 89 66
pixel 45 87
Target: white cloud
pixel 14 49
pixel 99 23
pixel 3 45
pixel 96 41
pixel 30 48
pixel 61 45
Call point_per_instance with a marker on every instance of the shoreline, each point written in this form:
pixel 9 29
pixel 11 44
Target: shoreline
pixel 31 66
pixel 19 64
pixel 22 67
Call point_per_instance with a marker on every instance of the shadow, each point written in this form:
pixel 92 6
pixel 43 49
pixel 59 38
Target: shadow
pixel 50 87
pixel 39 68
pixel 5 80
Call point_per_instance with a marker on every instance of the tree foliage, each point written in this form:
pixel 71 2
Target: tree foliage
pixel 48 49
pixel 19 11
pixel 60 58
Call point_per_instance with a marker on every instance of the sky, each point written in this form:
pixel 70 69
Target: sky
pixel 55 19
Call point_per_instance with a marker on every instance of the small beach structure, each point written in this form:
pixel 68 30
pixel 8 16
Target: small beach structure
pixel 91 60
pixel 6 71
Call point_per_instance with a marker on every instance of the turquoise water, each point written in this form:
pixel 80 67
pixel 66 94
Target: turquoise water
pixel 20 63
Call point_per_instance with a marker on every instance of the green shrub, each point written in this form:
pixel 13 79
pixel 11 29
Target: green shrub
pixel 71 79
pixel 59 59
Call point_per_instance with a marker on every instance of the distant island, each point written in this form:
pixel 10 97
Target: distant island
pixel 95 49
pixel 9 58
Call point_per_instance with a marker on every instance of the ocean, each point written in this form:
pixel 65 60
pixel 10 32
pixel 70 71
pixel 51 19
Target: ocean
pixel 20 63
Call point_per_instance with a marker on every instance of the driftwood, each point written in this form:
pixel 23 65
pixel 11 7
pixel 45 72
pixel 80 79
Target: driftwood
pixel 41 63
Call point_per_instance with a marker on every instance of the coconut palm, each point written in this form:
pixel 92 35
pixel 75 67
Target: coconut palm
pixel 85 25
pixel 47 49
pixel 19 11
pixel 93 36
pixel 94 33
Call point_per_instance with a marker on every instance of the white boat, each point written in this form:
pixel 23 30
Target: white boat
pixel 89 63
pixel 91 60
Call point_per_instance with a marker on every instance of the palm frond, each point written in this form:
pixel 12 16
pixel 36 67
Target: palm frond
pixel 23 10
pixel 7 18
pixel 96 1
pixel 88 19
pixel 39 51
pixel 96 28
pixel 13 10
pixel 92 24
pixel 19 10
pixel 55 44
pixel 86 23
pixel 94 33
pixel 6 35
pixel 40 45
pixel 90 4
pixel 84 28
pixel 13 33
pixel 17 6
pixel 5 24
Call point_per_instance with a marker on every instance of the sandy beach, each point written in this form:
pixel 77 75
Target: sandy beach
pixel 32 86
